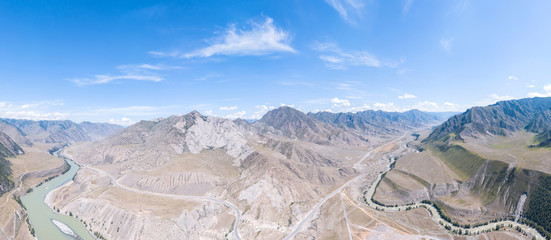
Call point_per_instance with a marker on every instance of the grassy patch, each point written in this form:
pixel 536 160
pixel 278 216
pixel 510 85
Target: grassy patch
pixel 457 158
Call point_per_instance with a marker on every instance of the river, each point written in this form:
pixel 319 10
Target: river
pixel 42 217
pixel 434 213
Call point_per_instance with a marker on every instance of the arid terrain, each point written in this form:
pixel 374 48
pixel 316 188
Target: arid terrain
pixel 285 176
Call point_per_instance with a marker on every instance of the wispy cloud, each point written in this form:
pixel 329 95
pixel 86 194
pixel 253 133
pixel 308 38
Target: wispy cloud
pixel 260 39
pixel 145 66
pixel 446 44
pixel 546 92
pixel 406 5
pixel 136 72
pixel 512 77
pixel 296 83
pixel 407 96
pixel 228 108
pixel 102 79
pixel 42 104
pixel 336 58
pixel 348 9
pixel 208 76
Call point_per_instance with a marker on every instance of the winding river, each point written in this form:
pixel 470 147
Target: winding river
pixel 47 223
pixel 436 215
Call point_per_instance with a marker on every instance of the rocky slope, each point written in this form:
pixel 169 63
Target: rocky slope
pixel 15 134
pixel 8 148
pixel 27 131
pixel 502 118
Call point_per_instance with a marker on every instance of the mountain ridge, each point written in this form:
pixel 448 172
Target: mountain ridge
pixel 380 122
pixel 25 132
pixel 501 118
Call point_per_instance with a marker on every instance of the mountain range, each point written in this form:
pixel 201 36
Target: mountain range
pixel 25 132
pixel 503 118
pixel 275 167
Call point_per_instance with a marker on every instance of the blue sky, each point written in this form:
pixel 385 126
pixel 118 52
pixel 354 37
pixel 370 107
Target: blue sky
pixel 124 61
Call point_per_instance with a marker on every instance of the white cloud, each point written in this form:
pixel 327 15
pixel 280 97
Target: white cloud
pixel 387 107
pixel 406 4
pixel 146 66
pixel 347 8
pixel 501 98
pixel 261 110
pixel 446 44
pixel 239 114
pixel 407 96
pixel 102 79
pixel 334 57
pixel 208 112
pixel 340 102
pixel 33 111
pixel 228 108
pixel 359 108
pixel 287 105
pixel 261 39
pixel 124 121
pixel 512 77
pixel 531 86
pixel 546 92
pixel 427 106
pixel 33 115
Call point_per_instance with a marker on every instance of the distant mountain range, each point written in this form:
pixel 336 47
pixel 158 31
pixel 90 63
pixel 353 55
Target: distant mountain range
pixel 502 118
pixel 293 123
pixel 378 122
pixel 25 132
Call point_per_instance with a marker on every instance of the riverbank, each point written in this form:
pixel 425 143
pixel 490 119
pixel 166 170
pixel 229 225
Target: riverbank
pixel 41 216
pixel 440 218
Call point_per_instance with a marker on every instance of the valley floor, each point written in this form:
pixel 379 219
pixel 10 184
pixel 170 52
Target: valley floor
pixel 119 211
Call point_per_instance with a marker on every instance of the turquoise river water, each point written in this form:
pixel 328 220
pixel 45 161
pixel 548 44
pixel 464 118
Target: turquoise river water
pixel 41 215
